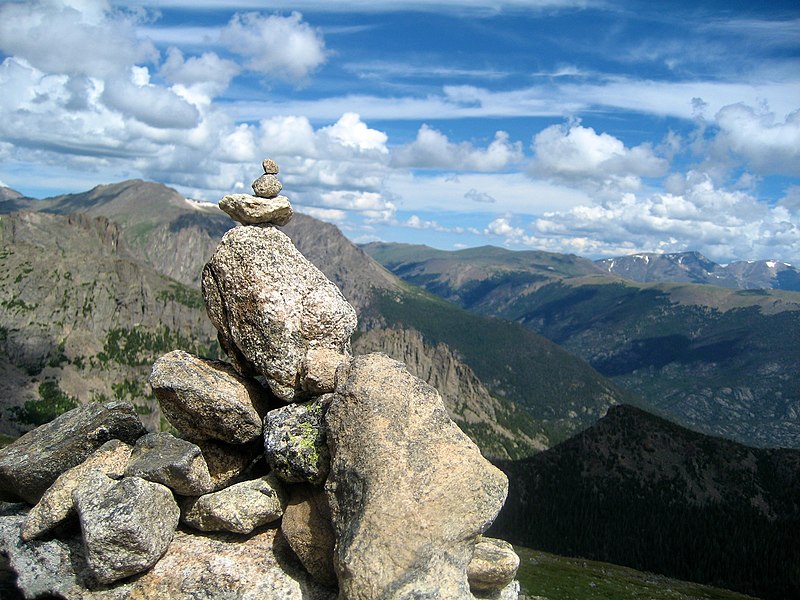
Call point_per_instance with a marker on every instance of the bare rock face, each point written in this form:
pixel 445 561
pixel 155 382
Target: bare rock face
pixel 173 462
pixel 294 441
pixel 251 210
pixel 32 463
pixel 239 508
pixel 493 566
pixel 271 306
pixel 409 492
pixel 226 567
pixel 208 399
pixel 307 526
pixel 57 504
pixel 127 524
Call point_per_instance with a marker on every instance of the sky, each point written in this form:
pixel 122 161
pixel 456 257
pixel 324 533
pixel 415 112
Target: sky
pixel 599 128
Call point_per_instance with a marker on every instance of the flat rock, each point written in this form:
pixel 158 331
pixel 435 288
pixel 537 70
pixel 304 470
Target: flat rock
pixel 493 566
pixel 126 525
pixel 294 441
pixel 208 399
pixel 306 525
pixel 252 210
pixel 409 492
pixel 32 463
pixel 267 186
pixel 239 508
pixel 271 306
pixel 57 504
pixel 171 461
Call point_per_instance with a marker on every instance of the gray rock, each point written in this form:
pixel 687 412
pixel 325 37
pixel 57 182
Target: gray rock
pixel 270 166
pixel 173 462
pixel 267 186
pixel 294 441
pixel 409 492
pixel 57 504
pixel 45 568
pixel 239 508
pixel 226 566
pixel 306 525
pixel 208 399
pixel 319 375
pixel 271 307
pixel 127 525
pixel 493 566
pixel 32 463
pixel 251 210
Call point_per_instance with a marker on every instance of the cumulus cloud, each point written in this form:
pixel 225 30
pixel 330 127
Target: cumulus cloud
pixel 72 38
pixel 433 150
pixel 208 73
pixel 581 156
pixel 769 147
pixel 150 104
pixel 512 235
pixel 275 45
pixel 723 224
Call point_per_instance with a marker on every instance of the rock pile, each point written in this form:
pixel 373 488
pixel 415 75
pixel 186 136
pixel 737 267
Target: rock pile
pixel 296 471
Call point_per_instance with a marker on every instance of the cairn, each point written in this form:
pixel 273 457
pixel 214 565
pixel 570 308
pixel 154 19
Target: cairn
pixel 297 471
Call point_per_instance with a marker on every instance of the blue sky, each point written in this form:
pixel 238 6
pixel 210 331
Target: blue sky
pixel 594 128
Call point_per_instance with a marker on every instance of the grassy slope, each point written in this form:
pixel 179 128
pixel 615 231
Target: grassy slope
pixel 552 577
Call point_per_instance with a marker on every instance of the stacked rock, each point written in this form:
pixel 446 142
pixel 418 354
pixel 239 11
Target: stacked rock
pixel 311 473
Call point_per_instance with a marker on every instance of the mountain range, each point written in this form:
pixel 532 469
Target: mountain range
pixel 693 267
pixel 168 239
pixel 547 361
pixel 719 360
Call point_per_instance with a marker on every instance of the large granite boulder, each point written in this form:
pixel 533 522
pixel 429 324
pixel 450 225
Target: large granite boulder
pixel 271 306
pixel 32 463
pixel 409 492
pixel 208 399
pixel 126 525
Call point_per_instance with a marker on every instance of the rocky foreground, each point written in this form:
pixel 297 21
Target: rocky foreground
pixel 295 470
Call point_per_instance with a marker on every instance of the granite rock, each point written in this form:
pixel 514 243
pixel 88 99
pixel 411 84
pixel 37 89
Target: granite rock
pixel 294 441
pixel 173 462
pixel 493 566
pixel 126 525
pixel 306 525
pixel 267 186
pixel 32 463
pixel 57 504
pixel 271 306
pixel 239 508
pixel 208 399
pixel 409 492
pixel 252 210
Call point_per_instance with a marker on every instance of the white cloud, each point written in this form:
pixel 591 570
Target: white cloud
pixel 208 73
pixel 580 155
pixel 769 147
pixel 722 224
pixel 512 235
pixel 77 39
pixel 155 106
pixel 432 150
pixel 482 197
pixel 350 131
pixel 275 45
